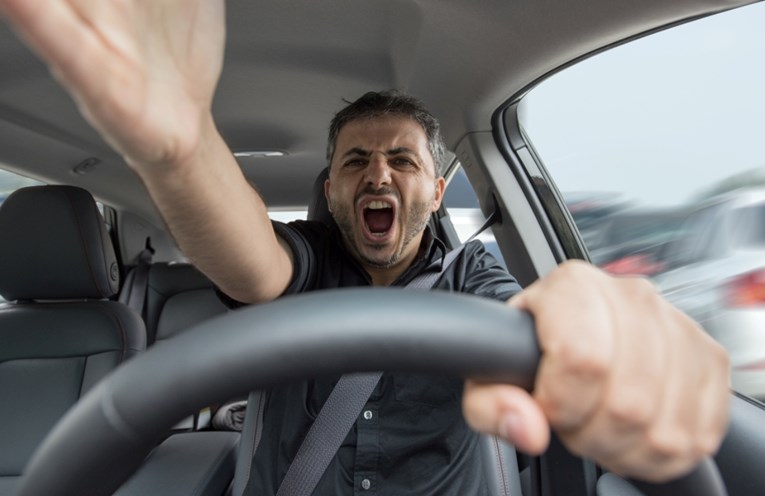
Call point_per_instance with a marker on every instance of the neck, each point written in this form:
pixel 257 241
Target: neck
pixel 387 276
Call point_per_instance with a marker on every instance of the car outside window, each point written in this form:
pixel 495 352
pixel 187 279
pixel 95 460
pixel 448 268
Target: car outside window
pixel 656 147
pixel 751 227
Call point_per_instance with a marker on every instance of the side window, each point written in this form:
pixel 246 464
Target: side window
pixel 693 240
pixel 287 215
pixel 461 202
pixel 750 227
pixel 10 182
pixel 636 147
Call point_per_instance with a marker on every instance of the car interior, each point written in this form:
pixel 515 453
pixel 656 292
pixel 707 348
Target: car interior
pixel 116 352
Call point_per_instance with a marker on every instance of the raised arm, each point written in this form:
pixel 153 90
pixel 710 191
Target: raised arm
pixel 158 64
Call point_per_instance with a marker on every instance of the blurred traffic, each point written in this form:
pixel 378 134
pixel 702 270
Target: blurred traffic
pixel 707 257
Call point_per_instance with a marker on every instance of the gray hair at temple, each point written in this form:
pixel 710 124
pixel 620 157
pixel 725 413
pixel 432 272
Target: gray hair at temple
pixel 391 102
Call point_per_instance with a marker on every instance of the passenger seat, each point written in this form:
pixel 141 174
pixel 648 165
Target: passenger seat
pixel 59 332
pixel 175 296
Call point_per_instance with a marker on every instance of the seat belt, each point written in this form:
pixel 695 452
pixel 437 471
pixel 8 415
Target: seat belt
pixel 137 295
pixel 344 404
pixel 339 413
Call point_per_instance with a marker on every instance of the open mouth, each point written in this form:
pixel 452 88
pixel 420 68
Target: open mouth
pixel 378 216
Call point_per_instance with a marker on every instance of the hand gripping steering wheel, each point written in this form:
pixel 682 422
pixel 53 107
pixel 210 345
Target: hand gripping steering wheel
pixel 104 439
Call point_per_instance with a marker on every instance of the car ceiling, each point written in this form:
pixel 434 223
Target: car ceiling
pixel 290 64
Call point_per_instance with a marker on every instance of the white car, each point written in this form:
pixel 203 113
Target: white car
pixel 718 277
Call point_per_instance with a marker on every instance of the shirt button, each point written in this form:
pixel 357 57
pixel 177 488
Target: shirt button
pixel 368 416
pixel 366 484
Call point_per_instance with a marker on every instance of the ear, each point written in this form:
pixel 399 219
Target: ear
pixel 439 194
pixel 326 195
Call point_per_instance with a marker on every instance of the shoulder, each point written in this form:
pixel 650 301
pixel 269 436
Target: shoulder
pixel 315 246
pixel 483 274
pixel 303 230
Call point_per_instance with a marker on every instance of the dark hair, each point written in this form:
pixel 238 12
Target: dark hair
pixel 391 102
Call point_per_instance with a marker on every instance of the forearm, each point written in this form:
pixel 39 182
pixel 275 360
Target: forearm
pixel 158 65
pixel 218 219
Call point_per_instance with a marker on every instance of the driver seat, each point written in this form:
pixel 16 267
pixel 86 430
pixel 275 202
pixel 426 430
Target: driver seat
pixel 59 333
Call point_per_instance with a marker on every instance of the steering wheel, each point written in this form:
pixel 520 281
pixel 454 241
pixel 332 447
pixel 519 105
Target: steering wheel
pixel 114 427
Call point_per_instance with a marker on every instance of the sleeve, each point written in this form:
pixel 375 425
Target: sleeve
pixel 484 276
pixel 298 236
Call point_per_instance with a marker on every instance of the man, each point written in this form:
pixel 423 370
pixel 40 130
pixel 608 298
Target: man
pixel 639 388
pixel 386 156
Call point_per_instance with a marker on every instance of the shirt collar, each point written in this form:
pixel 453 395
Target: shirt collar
pixel 429 258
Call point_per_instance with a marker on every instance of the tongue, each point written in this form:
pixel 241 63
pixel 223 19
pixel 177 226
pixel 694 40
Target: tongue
pixel 379 221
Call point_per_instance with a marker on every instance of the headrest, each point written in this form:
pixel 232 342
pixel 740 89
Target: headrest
pixel 54 246
pixel 317 204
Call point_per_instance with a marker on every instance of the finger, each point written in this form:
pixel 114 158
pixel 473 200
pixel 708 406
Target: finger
pixel 692 422
pixel 715 399
pixel 670 442
pixel 508 412
pixel 642 359
pixel 60 35
pixel 52 28
pixel 571 377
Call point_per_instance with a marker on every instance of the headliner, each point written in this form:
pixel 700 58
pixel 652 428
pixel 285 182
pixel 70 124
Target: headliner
pixel 289 65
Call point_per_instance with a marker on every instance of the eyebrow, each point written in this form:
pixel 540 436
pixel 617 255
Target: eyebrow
pixel 393 151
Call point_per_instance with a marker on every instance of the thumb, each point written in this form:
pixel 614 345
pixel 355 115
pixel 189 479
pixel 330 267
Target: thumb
pixel 508 412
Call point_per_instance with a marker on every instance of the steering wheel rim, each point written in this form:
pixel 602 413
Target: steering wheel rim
pixel 326 333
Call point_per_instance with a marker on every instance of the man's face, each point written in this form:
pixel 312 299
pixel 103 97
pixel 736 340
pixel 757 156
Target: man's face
pixel 382 189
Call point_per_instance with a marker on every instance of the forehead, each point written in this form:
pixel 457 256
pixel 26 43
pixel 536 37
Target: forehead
pixel 382 134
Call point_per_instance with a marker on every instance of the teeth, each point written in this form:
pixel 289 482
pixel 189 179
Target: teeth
pixel 378 205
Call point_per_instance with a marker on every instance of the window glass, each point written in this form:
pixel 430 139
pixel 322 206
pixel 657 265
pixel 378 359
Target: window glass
pixel 656 146
pixel 287 215
pixel 750 225
pixel 465 213
pixel 10 182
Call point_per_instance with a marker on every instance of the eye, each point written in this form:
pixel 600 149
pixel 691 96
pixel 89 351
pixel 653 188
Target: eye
pixel 355 162
pixel 402 162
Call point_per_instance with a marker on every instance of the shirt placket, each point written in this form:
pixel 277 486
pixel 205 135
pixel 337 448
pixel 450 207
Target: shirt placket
pixel 367 451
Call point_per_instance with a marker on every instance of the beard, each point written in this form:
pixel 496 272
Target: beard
pixel 416 219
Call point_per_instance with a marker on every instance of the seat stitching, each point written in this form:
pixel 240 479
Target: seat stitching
pixel 500 464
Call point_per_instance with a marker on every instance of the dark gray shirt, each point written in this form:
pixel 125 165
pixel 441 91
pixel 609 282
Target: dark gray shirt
pixel 414 439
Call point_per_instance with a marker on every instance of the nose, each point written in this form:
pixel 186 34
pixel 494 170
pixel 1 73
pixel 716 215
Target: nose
pixel 377 172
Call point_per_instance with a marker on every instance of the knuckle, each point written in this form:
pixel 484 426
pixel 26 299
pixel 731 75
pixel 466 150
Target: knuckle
pixel 641 289
pixel 554 410
pixel 719 355
pixel 581 359
pixel 575 270
pixel 707 444
pixel 630 408
pixel 668 443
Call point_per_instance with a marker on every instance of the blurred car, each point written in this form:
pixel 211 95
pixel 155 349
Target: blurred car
pixel 717 276
pixel 591 212
pixel 634 241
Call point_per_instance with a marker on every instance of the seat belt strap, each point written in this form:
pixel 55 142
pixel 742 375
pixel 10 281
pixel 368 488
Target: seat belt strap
pixel 343 407
pixel 427 280
pixel 327 432
pixel 137 295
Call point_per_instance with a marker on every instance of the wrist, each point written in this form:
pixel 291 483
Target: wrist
pixel 199 147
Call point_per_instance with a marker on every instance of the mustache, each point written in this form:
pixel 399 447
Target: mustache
pixel 371 191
